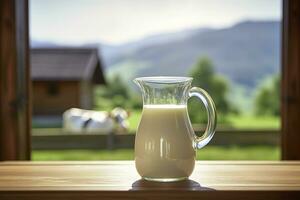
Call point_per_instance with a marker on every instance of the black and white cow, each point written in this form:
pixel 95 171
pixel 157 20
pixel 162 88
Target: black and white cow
pixel 86 121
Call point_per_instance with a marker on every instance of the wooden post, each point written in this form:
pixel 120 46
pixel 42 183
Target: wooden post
pixel 290 91
pixel 14 81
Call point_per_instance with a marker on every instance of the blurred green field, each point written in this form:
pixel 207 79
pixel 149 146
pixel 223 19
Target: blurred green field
pixel 254 122
pixel 207 153
pixel 234 121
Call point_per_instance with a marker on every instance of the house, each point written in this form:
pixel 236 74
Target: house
pixel 63 78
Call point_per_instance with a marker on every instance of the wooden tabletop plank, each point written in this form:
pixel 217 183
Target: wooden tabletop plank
pixel 122 176
pixel 119 180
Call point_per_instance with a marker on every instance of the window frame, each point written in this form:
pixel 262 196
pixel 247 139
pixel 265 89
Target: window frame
pixel 290 80
pixel 15 98
pixel 15 90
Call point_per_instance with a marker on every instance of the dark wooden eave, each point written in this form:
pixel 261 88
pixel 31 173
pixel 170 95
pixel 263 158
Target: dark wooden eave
pixel 66 64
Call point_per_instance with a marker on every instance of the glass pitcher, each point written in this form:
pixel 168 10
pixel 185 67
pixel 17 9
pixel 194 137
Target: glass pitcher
pixel 165 142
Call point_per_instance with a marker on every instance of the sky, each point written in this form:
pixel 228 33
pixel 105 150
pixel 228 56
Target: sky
pixel 120 21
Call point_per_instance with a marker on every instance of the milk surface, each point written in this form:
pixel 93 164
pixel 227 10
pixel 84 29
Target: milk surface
pixel 163 143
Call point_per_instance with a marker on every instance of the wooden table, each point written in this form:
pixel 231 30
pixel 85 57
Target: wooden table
pixel 119 180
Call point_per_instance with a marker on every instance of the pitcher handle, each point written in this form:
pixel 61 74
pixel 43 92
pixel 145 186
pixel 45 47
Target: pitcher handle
pixel 200 142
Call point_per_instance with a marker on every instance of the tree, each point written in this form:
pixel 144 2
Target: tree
pixel 204 76
pixel 117 87
pixel 267 99
pixel 114 94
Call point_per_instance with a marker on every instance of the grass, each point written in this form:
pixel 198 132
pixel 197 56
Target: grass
pixel 235 121
pixel 254 122
pixel 207 153
pixel 134 118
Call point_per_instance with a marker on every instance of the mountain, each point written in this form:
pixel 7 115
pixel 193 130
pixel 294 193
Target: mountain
pixel 110 52
pixel 41 44
pixel 244 53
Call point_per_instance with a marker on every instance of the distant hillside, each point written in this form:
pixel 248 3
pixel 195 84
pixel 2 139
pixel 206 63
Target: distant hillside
pixel 41 44
pixel 245 53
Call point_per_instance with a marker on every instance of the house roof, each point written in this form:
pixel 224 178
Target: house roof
pixel 66 64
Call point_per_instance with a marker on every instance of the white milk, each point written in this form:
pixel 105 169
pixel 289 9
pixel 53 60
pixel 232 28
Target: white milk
pixel 163 144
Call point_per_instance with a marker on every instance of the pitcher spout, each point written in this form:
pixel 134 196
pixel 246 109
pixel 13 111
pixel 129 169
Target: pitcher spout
pixel 164 89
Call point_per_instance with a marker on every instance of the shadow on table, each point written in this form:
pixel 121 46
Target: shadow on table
pixel 180 185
